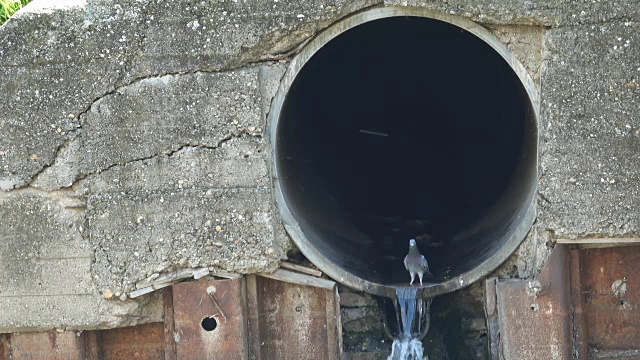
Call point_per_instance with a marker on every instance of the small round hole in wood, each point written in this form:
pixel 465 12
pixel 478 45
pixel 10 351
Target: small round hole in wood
pixel 209 323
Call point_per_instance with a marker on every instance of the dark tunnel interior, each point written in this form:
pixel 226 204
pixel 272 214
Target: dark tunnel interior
pixel 403 128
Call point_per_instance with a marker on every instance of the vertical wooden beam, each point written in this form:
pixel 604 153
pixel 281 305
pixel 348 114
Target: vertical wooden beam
pixel 580 331
pixel 92 349
pixel 253 317
pixel 491 314
pixel 169 325
pixel 334 326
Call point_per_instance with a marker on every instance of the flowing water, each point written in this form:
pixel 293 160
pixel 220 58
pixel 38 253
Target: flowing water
pixel 413 323
pixel 410 349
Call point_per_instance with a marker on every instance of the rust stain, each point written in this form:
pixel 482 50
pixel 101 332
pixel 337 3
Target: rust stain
pixel 53 340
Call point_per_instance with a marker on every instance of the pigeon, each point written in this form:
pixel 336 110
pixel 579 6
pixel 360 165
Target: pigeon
pixel 415 262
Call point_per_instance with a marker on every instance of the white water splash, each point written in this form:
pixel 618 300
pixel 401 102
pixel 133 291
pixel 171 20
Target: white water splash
pixel 407 349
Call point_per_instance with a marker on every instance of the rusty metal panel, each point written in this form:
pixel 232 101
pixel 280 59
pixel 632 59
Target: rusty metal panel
pixel 222 302
pixel 292 322
pixel 611 289
pixel 47 346
pixel 534 315
pixel 140 342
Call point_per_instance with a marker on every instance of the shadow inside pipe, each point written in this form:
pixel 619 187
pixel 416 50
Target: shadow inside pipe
pixel 407 128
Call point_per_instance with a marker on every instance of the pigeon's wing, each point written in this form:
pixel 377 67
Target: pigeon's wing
pixel 406 262
pixel 423 263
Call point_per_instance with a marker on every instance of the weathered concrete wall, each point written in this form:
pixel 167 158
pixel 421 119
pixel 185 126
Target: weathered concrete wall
pixel 131 138
pixel 131 143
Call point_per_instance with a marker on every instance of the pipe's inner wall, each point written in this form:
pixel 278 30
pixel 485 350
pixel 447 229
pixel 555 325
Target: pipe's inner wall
pixel 405 128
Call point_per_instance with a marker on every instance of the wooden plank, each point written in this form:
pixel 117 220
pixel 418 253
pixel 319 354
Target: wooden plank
pixel 200 273
pixel 169 278
pixel 334 324
pixel 223 274
pixel 300 279
pixel 600 242
pixel 163 281
pixel 147 290
pixel 91 345
pixel 300 268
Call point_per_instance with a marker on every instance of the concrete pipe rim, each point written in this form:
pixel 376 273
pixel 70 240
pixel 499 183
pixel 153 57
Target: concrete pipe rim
pixel 526 216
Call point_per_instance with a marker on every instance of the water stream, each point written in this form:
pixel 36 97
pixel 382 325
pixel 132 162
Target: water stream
pixel 413 323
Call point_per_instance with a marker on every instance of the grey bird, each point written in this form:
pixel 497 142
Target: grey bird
pixel 415 262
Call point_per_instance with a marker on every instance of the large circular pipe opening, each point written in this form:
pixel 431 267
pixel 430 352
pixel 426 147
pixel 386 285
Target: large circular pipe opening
pixel 405 127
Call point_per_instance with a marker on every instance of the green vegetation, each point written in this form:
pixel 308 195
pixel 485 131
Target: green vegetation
pixel 9 7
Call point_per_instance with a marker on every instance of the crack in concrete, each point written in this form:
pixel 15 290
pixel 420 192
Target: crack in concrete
pixel 168 153
pixel 115 89
pixel 246 59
